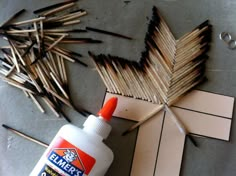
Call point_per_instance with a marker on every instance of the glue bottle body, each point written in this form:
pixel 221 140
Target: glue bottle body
pixel 79 152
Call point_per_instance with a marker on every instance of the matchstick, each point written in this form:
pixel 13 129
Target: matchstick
pixel 53 6
pixel 65 81
pixel 64 30
pixel 25 136
pixel 59 86
pixel 36 103
pixel 11 71
pixel 41 29
pixel 108 33
pixel 59 97
pixel 56 42
pixel 16 84
pixel 73 16
pixel 155 111
pixel 80 40
pixel 37 37
pixel 17 53
pixel 20 31
pixel 14 60
pixel 51 106
pixel 180 125
pixel 63 55
pixel 58 9
pixel 28 21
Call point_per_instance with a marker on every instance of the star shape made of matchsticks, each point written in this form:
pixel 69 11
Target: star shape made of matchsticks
pixel 168 69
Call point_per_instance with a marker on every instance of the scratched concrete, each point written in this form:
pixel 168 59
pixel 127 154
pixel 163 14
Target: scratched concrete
pixel 213 158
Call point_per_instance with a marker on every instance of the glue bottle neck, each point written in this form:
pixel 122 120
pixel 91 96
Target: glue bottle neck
pixel 97 126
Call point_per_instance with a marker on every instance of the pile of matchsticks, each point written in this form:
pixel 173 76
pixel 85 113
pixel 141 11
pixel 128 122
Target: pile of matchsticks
pixel 168 68
pixel 34 62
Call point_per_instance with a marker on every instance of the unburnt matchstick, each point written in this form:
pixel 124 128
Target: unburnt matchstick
pixel 34 61
pixel 168 69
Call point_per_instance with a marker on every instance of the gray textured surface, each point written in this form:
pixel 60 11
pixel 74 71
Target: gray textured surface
pixel 213 158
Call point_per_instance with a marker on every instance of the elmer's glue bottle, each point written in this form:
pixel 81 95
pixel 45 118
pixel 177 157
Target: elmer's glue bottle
pixel 79 152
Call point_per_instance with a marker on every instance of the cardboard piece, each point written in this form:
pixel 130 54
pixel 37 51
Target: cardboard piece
pixel 202 113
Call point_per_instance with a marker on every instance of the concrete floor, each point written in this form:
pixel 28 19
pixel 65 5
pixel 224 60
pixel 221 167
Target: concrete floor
pixel 214 158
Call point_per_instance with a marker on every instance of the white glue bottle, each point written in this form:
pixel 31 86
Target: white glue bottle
pixel 79 152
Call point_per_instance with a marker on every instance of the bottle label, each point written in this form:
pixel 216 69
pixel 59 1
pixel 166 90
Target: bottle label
pixel 64 159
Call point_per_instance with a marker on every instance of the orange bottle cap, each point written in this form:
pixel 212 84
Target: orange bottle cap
pixel 108 109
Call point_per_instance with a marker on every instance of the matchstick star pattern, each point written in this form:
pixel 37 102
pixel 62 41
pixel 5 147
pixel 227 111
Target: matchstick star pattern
pixel 167 70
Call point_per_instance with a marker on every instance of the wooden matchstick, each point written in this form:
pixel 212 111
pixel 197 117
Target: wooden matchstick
pixel 56 42
pixel 36 103
pixel 180 125
pixel 59 86
pixel 20 31
pixel 17 53
pixel 73 16
pixel 14 60
pixel 14 77
pixel 107 32
pixel 58 9
pixel 28 21
pixel 17 84
pixel 53 6
pixel 37 38
pixel 65 101
pixel 51 106
pixel 155 111
pixel 25 136
pixel 70 22
pixel 41 29
pixel 63 30
pixel 11 71
pixel 65 81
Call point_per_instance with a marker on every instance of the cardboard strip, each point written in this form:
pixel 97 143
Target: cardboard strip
pixel 204 124
pixel 171 150
pixel 196 100
pixel 207 102
pixel 130 108
pixel 147 146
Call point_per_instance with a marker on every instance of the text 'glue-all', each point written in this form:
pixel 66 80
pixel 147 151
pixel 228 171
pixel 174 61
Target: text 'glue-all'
pixel 79 152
